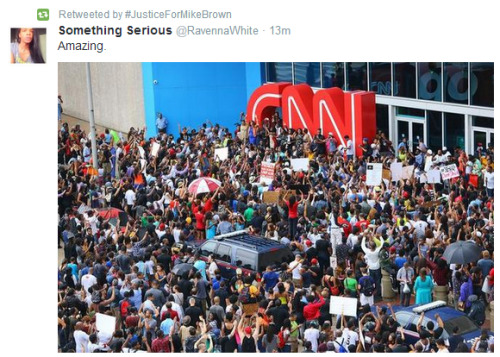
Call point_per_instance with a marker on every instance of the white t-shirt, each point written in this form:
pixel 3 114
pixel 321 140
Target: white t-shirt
pixel 350 337
pixel 81 341
pixel 349 148
pixel 88 280
pixel 489 179
pixel 130 197
pixel 296 270
pixel 312 335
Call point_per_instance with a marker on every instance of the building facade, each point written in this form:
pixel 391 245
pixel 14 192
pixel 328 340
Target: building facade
pixel 446 103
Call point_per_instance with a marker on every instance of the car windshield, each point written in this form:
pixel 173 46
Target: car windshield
pixel 464 323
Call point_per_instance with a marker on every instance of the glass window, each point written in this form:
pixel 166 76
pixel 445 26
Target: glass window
pixel 465 324
pixel 454 131
pixel 405 319
pixel 410 112
pixel 481 83
pixel 279 71
pixel 208 248
pixel 434 130
pixel 246 259
pixel 383 119
pixel 333 74
pixel 482 121
pixel 356 76
pixel 224 253
pixel 404 78
pixel 456 82
pixel 307 72
pixel 429 81
pixel 380 77
pixel 274 258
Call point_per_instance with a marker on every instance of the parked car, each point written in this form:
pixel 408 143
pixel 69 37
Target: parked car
pixel 242 250
pixel 408 317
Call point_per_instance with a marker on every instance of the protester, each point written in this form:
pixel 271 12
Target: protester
pixel 130 265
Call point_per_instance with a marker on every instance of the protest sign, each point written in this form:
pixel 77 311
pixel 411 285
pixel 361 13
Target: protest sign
pixel 434 176
pixel 449 172
pixel 396 171
pixel 267 172
pixel 373 174
pixel 105 323
pixel 430 204
pixel 270 197
pixel 343 306
pixel 154 149
pixel 221 154
pixel 300 164
pixel 407 172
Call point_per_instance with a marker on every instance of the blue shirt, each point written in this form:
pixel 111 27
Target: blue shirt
pixel 166 325
pixel 136 299
pixel 399 261
pixel 270 279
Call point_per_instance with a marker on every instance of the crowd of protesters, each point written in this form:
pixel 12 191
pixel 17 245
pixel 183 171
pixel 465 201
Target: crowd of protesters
pixel 124 269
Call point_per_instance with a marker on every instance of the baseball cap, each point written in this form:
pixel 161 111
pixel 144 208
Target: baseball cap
pixel 238 271
pixel 248 330
pixel 308 243
pixel 314 261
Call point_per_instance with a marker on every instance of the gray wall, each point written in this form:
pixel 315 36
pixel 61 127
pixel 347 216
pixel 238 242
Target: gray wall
pixel 117 93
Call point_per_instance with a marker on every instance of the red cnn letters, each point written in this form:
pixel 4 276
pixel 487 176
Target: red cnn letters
pixel 331 110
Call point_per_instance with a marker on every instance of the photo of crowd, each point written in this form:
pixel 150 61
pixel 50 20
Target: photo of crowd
pixel 178 243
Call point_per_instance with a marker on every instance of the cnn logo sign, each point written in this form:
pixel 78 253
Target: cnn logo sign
pixel 331 110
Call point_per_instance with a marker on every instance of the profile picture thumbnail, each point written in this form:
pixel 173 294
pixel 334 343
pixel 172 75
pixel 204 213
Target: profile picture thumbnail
pixel 28 45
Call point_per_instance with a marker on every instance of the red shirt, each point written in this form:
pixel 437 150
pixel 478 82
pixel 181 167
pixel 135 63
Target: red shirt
pixel 292 210
pixel 173 314
pixel 346 226
pixel 208 206
pixel 200 220
pixel 311 310
pixel 132 321
pixel 160 345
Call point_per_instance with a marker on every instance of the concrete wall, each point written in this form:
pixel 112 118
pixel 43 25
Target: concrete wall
pixel 117 93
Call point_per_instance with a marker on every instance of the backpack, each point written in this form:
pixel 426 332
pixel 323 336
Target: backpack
pixel 281 339
pixel 342 349
pixel 244 296
pixel 367 287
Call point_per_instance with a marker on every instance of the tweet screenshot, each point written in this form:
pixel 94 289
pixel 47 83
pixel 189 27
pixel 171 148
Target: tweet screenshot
pixel 211 191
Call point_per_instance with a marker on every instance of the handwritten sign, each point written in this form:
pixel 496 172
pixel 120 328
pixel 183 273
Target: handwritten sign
pixel 449 172
pixel 373 174
pixel 267 172
pixel 270 197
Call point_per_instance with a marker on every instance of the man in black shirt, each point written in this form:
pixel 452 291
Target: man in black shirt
pixel 193 311
pixel 324 249
pixel 164 259
pixel 278 312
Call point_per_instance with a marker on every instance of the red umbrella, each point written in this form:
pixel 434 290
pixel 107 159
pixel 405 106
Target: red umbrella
pixel 112 214
pixel 203 185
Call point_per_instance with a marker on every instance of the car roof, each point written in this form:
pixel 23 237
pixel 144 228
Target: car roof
pixel 259 244
pixel 446 312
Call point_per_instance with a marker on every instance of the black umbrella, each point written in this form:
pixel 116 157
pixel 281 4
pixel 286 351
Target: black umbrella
pixel 182 268
pixel 462 252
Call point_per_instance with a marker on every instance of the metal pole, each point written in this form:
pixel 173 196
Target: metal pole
pixel 93 136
